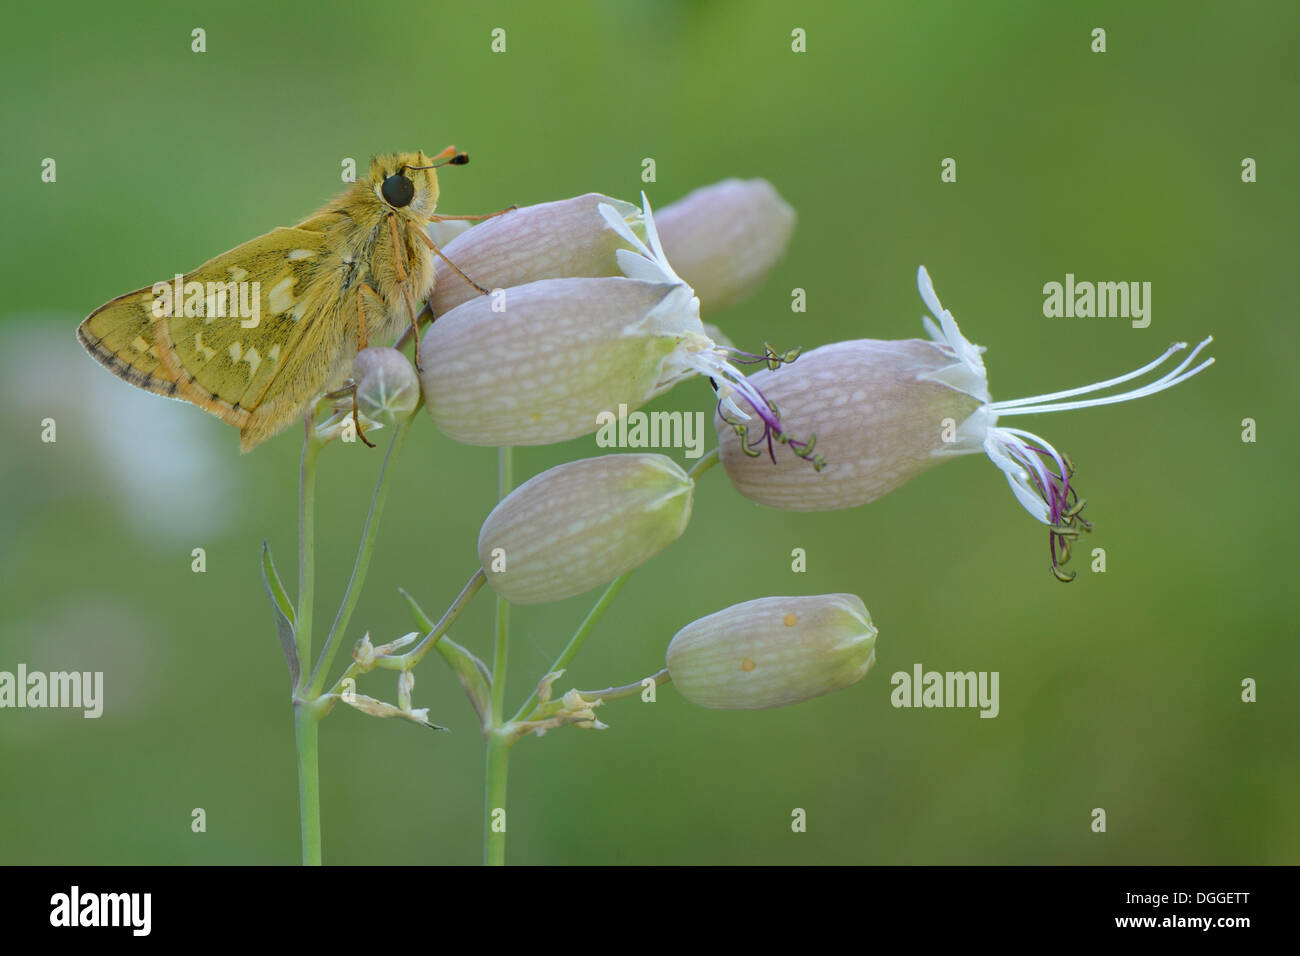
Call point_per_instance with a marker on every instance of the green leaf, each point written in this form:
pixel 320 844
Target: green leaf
pixel 284 616
pixel 474 676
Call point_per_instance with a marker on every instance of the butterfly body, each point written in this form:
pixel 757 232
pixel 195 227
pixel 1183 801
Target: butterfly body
pixel 260 332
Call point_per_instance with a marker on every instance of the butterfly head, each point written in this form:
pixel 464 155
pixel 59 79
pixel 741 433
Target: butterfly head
pixel 409 181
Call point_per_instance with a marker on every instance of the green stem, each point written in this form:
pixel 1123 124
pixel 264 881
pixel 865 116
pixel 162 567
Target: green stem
pixel 579 636
pixel 436 631
pixel 311 449
pixel 306 726
pixel 306 721
pixel 498 758
pixel 498 746
pixel 362 563
pixel 499 655
pixel 627 690
pixel 704 464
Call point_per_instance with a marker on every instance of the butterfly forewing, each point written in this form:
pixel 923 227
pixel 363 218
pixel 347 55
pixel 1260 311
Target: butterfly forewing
pixel 224 347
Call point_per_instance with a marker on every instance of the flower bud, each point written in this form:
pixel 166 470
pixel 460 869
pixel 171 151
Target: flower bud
pixel 388 388
pixel 552 240
pixel 537 364
pixel 725 238
pixel 773 651
pixel 878 416
pixel 582 524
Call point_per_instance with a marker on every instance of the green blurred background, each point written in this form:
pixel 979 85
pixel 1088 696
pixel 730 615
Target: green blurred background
pixel 1120 691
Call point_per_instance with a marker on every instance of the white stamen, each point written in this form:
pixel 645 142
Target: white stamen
pixel 731 378
pixel 1168 380
pixel 1096 386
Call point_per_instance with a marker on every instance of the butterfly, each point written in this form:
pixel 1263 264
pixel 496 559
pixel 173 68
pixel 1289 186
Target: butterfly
pixel 258 334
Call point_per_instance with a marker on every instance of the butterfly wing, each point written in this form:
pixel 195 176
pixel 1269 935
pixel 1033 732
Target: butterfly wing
pixel 207 350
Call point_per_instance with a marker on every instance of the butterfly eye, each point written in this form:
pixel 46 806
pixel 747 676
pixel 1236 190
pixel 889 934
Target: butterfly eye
pixel 398 191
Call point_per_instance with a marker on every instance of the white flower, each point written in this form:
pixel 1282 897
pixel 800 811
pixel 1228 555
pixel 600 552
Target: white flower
pixel 886 411
pixel 724 240
pixel 696 352
pixel 538 363
pixel 1038 474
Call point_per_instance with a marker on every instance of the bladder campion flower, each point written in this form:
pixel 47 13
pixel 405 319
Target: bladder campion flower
pixel 886 411
pixel 388 390
pixel 723 239
pixel 582 524
pixel 773 651
pixel 539 363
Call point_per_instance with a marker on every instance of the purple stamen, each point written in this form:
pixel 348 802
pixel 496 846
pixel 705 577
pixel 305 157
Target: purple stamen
pixel 773 431
pixel 1053 486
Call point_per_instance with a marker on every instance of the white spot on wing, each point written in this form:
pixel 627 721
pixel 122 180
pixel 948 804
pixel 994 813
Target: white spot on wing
pixel 253 360
pixel 236 351
pixel 302 253
pixel 280 298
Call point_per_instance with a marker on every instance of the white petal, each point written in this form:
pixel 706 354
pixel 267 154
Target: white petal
pixel 620 226
pixel 637 266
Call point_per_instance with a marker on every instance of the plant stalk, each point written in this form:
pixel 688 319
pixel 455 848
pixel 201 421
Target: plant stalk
pixel 306 727
pixel 362 563
pixel 498 745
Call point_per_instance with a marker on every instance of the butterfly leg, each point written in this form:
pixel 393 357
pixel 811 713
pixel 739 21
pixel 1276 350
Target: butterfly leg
pixel 454 268
pixel 490 215
pixel 362 340
pixel 399 263
pixel 351 388
pixel 361 315
pixel 356 419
